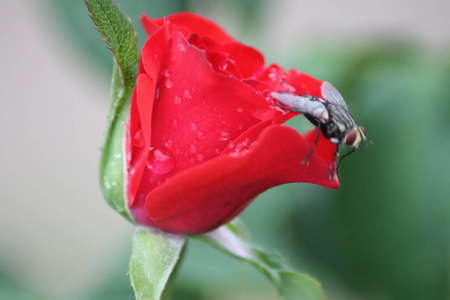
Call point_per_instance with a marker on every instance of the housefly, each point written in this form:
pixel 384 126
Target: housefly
pixel 331 116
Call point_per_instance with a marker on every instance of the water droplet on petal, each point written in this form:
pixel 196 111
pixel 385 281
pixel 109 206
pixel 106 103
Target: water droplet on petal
pixel 168 83
pixel 239 110
pixel 181 47
pixel 201 135
pixel 193 148
pixel 177 100
pixel 160 160
pixel 131 170
pixel 273 73
pixel 139 139
pixel 193 126
pixel 157 92
pixel 174 122
pixel 239 147
pixel 169 143
pixel 200 157
pixel 224 136
pixel 187 94
pixel 217 151
pixel 167 73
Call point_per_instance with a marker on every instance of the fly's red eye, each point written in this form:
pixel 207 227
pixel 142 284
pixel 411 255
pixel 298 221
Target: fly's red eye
pixel 350 139
pixel 363 130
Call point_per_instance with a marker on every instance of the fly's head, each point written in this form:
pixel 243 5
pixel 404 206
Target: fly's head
pixel 355 136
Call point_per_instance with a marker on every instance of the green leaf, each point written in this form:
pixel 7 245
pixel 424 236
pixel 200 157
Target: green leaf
pixel 290 285
pixel 119 35
pixel 153 258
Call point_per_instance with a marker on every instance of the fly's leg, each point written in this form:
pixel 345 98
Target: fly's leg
pixel 344 156
pixel 306 160
pixel 286 108
pixel 333 164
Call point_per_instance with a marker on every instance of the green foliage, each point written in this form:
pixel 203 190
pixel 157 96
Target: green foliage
pixel 10 289
pixel 119 35
pixel 290 285
pixel 153 258
pixel 72 17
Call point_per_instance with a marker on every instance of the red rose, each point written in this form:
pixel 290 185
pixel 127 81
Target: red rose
pixel 204 136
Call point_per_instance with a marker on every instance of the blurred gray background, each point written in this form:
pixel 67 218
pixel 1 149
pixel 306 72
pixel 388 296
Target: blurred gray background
pixel 383 235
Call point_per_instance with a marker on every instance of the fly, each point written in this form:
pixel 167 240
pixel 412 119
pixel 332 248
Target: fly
pixel 331 116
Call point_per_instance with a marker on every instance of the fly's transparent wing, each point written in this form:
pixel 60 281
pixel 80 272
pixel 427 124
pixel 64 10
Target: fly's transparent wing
pixel 332 95
pixel 303 104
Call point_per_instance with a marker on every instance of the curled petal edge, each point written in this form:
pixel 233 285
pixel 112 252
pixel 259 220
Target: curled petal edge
pixel 213 193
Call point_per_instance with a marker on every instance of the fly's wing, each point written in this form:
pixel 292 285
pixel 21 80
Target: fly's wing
pixel 332 95
pixel 303 104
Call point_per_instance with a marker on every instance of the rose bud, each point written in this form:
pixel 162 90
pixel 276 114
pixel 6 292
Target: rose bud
pixel 204 135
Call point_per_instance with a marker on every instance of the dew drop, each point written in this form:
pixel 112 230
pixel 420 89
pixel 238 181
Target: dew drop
pixel 167 73
pixel 157 92
pixel 169 143
pixel 201 135
pixel 187 94
pixel 224 136
pixel 181 47
pixel 107 184
pixel 118 155
pixel 239 110
pixel 231 145
pixel 193 149
pixel 239 147
pixel 139 139
pixel 177 100
pixel 160 160
pixel 273 73
pixel 193 126
pixel 168 83
pixel 174 122
pixel 240 127
pixel 200 157
pixel 131 170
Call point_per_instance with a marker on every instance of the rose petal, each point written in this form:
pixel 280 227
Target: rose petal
pixel 211 194
pixel 304 83
pixel 149 26
pixel 204 110
pixel 191 23
pixel 249 60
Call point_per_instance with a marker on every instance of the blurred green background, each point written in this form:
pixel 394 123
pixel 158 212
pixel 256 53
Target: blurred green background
pixel 383 235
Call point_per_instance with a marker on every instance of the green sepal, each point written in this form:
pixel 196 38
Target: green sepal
pixel 289 284
pixel 119 35
pixel 153 259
